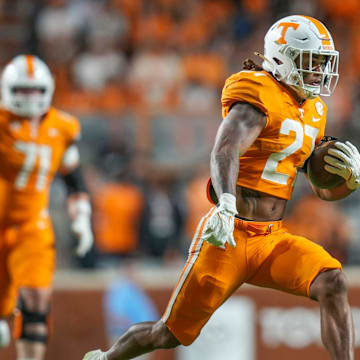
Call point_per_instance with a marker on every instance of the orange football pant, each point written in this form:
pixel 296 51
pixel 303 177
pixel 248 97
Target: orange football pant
pixel 265 255
pixel 27 259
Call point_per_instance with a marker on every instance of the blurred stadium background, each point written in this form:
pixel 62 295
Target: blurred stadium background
pixel 145 77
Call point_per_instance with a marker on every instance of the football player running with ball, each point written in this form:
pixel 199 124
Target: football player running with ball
pixel 36 141
pixel 272 119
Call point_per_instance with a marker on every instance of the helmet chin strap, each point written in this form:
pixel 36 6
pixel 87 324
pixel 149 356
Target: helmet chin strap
pixel 310 94
pixel 302 94
pixel 306 91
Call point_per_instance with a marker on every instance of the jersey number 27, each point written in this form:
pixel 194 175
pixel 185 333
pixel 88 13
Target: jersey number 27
pixel 272 162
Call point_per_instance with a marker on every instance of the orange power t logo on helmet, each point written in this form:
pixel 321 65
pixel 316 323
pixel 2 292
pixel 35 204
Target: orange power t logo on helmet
pixel 30 65
pixel 285 26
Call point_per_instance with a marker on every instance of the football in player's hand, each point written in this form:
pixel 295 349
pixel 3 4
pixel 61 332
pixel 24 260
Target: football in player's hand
pixel 316 171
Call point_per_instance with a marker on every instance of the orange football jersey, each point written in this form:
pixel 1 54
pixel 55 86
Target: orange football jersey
pixel 30 155
pixel 270 164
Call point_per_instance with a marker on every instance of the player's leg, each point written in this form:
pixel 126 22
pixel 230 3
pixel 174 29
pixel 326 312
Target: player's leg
pixel 7 293
pixel 330 290
pixel 142 338
pixel 4 333
pixel 32 323
pixel 31 264
pixel 209 277
pixel 294 264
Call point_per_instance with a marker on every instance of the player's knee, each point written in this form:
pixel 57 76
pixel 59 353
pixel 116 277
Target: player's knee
pixel 153 336
pixel 332 283
pixel 164 338
pixel 4 333
pixel 31 325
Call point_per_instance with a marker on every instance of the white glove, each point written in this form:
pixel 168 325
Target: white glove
pixel 345 162
pixel 219 227
pixel 4 334
pixel 80 211
pixel 81 226
pixel 95 355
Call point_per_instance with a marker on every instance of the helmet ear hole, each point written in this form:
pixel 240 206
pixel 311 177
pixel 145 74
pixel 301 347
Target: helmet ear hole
pixel 278 61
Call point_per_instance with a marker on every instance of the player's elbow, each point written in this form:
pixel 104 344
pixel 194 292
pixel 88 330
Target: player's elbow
pixel 326 195
pixel 326 198
pixel 219 153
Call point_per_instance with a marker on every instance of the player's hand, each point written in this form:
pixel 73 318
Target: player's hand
pixel 345 162
pixel 81 227
pixel 80 212
pixel 4 334
pixel 95 355
pixel 219 227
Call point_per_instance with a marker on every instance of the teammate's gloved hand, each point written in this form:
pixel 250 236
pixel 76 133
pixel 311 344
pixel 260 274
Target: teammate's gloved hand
pixel 345 162
pixel 95 355
pixel 4 334
pixel 219 227
pixel 81 226
pixel 80 212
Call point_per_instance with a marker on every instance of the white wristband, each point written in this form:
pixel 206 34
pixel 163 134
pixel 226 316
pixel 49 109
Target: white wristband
pixel 228 201
pixel 83 206
pixel 79 207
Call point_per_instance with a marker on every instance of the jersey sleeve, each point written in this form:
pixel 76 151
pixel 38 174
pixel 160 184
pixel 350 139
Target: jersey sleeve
pixel 71 126
pixel 75 130
pixel 246 87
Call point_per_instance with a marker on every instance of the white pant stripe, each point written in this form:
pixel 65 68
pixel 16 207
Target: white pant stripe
pixel 189 267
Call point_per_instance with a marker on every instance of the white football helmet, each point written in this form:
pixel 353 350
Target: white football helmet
pixel 292 37
pixel 27 71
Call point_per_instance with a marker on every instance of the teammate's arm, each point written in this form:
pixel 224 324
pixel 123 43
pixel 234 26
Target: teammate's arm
pixel 236 133
pixel 78 199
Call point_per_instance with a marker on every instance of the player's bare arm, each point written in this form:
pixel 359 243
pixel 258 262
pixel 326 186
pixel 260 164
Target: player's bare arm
pixel 78 200
pixel 235 135
pixel 237 132
pixel 334 194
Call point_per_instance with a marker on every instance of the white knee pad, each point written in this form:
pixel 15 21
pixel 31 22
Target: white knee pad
pixel 4 334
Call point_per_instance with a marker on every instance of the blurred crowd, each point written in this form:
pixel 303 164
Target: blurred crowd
pixel 145 78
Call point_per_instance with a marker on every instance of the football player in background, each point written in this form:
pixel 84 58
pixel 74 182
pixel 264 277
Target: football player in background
pixel 36 141
pixel 273 118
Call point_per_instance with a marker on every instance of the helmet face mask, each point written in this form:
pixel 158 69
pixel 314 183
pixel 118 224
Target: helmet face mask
pixel 27 86
pixel 293 46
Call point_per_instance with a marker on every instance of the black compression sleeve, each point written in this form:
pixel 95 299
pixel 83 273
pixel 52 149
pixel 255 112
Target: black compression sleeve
pixel 74 181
